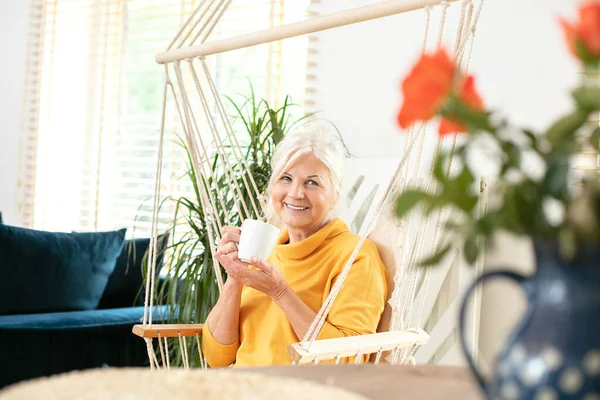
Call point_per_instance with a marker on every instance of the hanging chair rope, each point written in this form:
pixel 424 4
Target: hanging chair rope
pixel 410 294
pixel 168 355
pixel 187 23
pixel 151 355
pixel 152 256
pixel 469 35
pixel 162 351
pixel 214 18
pixel 240 158
pixel 194 136
pixel 203 364
pixel 220 147
pixel 409 265
pixel 183 351
pixel 211 223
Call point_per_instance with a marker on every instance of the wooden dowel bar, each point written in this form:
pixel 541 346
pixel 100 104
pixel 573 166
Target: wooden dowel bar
pixel 167 330
pixel 311 25
pixel 365 344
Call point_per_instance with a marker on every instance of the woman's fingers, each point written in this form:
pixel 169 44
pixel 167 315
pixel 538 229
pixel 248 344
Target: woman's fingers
pixel 229 261
pixel 228 248
pixel 233 255
pixel 261 264
pixel 267 279
pixel 230 232
pixel 261 279
pixel 228 228
pixel 227 264
pixel 232 264
pixel 229 239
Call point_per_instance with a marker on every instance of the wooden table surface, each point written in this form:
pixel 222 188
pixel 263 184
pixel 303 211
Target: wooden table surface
pixel 379 382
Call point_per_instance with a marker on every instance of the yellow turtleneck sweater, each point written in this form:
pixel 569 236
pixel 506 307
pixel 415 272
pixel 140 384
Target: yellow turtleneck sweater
pixel 311 268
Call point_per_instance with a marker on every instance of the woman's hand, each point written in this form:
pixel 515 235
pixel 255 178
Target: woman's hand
pixel 267 279
pixel 228 246
pixel 230 241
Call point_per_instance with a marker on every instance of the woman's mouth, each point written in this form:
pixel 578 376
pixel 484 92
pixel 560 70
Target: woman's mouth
pixel 295 208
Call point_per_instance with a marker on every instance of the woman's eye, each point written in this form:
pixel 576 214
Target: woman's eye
pixel 285 178
pixel 311 182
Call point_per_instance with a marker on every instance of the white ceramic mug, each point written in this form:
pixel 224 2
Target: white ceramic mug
pixel 257 240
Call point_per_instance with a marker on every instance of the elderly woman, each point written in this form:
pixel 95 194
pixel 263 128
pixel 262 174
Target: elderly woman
pixel 262 310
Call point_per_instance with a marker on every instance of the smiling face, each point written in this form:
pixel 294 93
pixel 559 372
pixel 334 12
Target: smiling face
pixel 303 196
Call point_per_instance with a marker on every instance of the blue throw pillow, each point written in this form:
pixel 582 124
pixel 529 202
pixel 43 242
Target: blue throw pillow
pixel 125 286
pixel 54 271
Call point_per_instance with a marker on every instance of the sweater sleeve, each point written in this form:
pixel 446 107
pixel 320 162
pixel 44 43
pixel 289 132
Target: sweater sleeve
pixel 360 303
pixel 217 355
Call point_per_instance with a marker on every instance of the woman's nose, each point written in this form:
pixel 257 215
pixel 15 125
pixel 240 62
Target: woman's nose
pixel 296 191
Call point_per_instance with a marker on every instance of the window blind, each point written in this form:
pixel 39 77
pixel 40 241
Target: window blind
pixel 587 163
pixel 94 95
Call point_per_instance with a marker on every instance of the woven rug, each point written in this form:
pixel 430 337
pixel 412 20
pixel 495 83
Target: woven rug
pixel 141 383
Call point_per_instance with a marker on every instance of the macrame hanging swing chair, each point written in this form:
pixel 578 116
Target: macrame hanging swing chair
pixel 401 244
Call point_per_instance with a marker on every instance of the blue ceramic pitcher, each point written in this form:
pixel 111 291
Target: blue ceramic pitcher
pixel 554 352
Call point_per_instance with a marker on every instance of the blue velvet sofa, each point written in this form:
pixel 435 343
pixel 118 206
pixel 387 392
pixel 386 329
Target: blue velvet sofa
pixel 55 318
pixel 45 344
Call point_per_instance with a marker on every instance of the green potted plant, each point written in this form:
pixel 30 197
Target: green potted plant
pixel 555 351
pixel 190 289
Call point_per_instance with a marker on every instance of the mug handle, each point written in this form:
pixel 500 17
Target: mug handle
pixel 516 277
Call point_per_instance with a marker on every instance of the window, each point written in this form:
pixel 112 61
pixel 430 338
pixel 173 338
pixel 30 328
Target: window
pixel 94 99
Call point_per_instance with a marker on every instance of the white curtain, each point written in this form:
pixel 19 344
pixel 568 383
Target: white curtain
pixel 93 102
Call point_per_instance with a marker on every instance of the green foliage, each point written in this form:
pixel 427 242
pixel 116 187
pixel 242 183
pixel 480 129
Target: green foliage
pixel 191 289
pixel 561 132
pixel 595 139
pixel 409 199
pixel 475 120
pixel 520 206
pixel 453 192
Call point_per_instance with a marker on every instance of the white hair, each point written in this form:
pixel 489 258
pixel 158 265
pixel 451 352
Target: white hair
pixel 320 141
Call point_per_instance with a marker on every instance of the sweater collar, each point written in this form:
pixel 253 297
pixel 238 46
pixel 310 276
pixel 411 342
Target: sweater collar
pixel 303 248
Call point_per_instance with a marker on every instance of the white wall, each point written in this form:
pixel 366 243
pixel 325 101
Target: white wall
pixel 521 65
pixel 13 41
